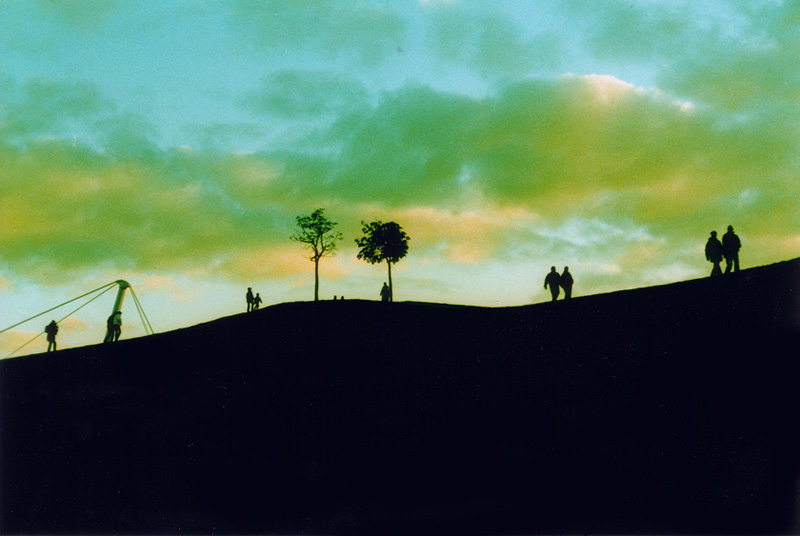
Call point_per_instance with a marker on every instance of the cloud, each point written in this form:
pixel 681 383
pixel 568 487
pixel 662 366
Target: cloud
pixel 369 33
pixel 43 106
pixel 218 136
pixel 467 236
pixel 15 339
pixel 488 41
pixel 293 94
pixel 65 208
pixel 522 146
pixel 48 23
pixel 640 30
pixel 736 55
pixel 471 179
pixel 78 12
pixel 578 146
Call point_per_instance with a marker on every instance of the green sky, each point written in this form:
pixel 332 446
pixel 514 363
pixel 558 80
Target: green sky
pixel 173 143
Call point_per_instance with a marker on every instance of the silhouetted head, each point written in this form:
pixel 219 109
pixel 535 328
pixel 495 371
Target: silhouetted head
pixel 730 228
pixel 552 268
pixel 566 268
pixel 713 233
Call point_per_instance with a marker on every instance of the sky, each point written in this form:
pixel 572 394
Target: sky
pixel 172 144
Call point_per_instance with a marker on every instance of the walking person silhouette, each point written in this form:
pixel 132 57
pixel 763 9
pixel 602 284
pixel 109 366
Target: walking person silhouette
pixel 730 250
pixel 714 253
pixel 51 329
pixel 257 301
pixel 553 280
pixel 566 282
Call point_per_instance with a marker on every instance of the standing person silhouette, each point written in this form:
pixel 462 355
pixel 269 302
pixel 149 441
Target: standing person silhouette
pixel 714 253
pixel 566 282
pixel 110 328
pixel 386 293
pixel 553 280
pixel 249 298
pixel 256 301
pixel 51 329
pixel 730 250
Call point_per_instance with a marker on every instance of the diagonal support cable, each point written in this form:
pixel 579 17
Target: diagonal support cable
pixel 109 285
pixel 142 314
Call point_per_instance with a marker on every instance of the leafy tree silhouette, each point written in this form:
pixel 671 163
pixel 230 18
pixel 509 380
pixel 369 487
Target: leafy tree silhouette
pixel 383 241
pixel 317 234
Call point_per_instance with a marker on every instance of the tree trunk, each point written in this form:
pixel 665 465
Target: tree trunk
pixel 391 289
pixel 316 280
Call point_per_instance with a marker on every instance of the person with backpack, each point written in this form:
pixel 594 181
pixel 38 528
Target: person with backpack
pixel 51 329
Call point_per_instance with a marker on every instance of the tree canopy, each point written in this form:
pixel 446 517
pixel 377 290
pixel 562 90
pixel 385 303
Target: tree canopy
pixel 383 242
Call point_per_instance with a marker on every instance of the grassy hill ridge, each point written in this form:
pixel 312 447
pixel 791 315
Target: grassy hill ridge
pixel 663 409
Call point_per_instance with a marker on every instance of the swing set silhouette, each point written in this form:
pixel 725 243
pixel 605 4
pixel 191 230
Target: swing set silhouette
pixel 91 296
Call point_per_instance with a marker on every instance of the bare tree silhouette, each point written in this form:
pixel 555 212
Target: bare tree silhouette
pixel 317 234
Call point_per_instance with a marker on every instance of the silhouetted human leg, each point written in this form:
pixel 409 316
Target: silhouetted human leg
pixel 716 270
pixel 736 262
pixel 554 292
pixel 728 264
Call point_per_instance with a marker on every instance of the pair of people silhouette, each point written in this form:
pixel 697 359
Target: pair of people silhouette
pixel 253 303
pixel 728 249
pixel 113 327
pixel 557 281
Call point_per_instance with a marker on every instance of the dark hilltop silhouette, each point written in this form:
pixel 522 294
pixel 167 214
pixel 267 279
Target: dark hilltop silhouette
pixel 664 410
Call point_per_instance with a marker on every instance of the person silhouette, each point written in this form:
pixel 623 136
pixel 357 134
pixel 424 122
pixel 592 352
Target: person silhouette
pixel 553 280
pixel 714 253
pixel 386 293
pixel 117 325
pixel 566 282
pixel 51 329
pixel 110 328
pixel 249 298
pixel 730 250
pixel 256 301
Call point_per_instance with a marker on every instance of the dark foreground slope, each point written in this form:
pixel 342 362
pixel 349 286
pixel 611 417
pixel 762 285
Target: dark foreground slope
pixel 665 410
